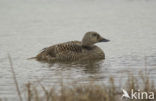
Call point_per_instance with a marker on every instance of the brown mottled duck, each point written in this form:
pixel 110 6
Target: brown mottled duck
pixel 74 50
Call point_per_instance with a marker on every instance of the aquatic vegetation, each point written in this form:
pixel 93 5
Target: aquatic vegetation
pixel 91 91
pixel 141 85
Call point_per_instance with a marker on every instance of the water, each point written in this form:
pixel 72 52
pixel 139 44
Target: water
pixel 27 26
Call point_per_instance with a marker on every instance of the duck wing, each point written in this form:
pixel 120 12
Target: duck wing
pixel 61 52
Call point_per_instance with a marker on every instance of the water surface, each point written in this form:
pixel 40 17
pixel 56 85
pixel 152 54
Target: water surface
pixel 27 26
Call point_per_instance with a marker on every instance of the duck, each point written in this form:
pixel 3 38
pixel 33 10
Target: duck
pixel 74 50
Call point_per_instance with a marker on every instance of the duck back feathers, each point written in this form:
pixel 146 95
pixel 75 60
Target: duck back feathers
pixel 69 51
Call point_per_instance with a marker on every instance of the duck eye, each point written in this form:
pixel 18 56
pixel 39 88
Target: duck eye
pixel 94 35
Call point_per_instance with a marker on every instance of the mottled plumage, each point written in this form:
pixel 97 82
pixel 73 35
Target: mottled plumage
pixel 74 50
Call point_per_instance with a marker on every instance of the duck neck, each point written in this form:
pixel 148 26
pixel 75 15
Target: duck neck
pixel 86 44
pixel 87 47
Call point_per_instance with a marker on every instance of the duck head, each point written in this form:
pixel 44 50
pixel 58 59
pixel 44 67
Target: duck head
pixel 91 38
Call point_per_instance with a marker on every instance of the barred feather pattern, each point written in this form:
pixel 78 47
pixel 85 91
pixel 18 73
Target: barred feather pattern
pixel 69 51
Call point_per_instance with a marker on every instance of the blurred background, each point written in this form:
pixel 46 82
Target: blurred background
pixel 27 26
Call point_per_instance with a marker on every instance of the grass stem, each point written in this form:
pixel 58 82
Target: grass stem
pixel 14 78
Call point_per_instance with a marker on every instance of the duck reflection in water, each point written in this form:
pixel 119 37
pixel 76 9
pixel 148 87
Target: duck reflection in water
pixel 91 67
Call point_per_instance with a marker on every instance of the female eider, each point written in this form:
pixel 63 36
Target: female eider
pixel 74 50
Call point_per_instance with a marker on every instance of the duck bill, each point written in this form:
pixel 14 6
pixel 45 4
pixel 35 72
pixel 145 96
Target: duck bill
pixel 104 40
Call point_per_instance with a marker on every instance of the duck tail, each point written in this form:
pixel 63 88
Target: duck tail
pixel 31 58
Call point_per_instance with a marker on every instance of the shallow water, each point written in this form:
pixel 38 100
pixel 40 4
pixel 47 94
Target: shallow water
pixel 27 26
